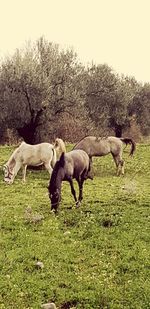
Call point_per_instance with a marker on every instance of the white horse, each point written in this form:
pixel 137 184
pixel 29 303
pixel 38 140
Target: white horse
pixel 34 155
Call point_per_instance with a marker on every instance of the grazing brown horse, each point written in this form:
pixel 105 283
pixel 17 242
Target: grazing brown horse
pixel 101 146
pixel 73 164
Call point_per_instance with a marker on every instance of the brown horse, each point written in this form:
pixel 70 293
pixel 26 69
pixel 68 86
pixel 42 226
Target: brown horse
pixel 73 164
pixel 101 146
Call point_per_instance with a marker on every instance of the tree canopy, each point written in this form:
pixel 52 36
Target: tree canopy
pixel 42 86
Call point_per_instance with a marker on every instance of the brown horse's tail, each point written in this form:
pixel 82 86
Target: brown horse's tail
pixel 131 142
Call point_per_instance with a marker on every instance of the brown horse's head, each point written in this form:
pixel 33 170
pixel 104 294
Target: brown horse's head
pixel 54 187
pixel 55 198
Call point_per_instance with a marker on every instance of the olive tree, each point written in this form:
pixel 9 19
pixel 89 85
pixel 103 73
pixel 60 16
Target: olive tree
pixel 141 108
pixel 39 85
pixel 22 93
pixel 108 98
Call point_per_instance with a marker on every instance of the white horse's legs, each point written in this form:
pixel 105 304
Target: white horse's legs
pixel 16 170
pixel 48 167
pixel 24 169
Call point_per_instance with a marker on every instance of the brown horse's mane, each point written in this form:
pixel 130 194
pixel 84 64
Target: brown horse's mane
pixel 80 141
pixel 55 171
pixel 96 138
pixel 58 164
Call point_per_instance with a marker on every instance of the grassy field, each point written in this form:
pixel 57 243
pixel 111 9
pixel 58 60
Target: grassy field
pixel 97 256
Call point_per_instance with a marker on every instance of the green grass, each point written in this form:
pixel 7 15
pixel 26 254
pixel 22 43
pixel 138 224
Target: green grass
pixel 96 256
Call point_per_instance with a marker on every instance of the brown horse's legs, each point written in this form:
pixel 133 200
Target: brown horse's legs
pixel 80 190
pixel 119 164
pixel 73 190
pixel 90 171
pixel 120 168
pixel 80 184
pixel 116 162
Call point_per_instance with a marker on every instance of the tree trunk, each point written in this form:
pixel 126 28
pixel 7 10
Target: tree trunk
pixel 27 132
pixel 118 130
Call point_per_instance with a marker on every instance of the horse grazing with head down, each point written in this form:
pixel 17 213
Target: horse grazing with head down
pixel 101 146
pixel 73 164
pixel 33 155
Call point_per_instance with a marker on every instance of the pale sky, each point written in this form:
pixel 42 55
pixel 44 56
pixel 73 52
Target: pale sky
pixel 116 32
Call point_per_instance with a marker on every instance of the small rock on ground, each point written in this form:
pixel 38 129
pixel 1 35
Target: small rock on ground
pixel 48 306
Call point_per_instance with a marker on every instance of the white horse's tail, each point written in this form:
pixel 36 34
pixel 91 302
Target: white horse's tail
pixel 59 146
pixel 54 158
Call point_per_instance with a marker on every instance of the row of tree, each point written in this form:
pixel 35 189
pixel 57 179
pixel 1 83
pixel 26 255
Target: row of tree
pixel 45 92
